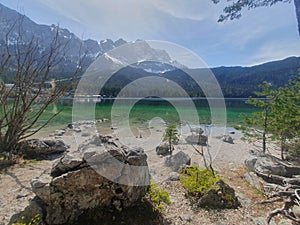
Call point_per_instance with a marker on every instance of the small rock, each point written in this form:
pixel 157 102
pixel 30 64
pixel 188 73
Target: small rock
pixel 186 218
pixel 227 139
pixel 77 129
pixel 60 132
pixel 174 176
pixel 221 197
pixel 162 149
pixel 197 139
pixel 85 134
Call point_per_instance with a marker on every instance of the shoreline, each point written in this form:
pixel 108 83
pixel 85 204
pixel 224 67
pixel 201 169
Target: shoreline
pixel 228 161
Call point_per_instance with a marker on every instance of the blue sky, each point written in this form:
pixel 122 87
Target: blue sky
pixel 261 35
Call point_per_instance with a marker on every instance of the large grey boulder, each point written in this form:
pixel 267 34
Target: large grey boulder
pixel 95 176
pixel 266 164
pixel 178 160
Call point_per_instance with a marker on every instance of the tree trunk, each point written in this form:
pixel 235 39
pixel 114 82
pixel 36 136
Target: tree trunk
pixel 264 143
pixel 297 6
pixel 282 148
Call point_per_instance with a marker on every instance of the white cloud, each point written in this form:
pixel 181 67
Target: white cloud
pixel 192 9
pixel 275 50
pixel 131 18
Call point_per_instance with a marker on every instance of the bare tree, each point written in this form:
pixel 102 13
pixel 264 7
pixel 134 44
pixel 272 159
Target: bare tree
pixel 30 67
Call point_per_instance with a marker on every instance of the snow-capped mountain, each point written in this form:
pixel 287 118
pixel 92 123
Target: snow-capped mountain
pixel 15 24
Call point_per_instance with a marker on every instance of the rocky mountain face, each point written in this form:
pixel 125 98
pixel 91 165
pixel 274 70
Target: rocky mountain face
pixel 18 29
pixel 22 30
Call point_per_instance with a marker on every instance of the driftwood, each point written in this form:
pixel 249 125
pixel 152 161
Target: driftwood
pixel 285 210
pixel 290 198
pixel 287 189
pixel 279 180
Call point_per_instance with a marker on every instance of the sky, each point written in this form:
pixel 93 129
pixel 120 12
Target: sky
pixel 260 35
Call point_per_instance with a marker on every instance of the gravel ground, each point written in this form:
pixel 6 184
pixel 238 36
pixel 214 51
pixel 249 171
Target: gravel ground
pixel 228 161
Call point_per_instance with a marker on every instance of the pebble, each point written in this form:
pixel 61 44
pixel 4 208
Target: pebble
pixel 186 218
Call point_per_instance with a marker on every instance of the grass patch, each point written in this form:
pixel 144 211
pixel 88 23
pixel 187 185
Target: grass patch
pixel 198 181
pixel 158 197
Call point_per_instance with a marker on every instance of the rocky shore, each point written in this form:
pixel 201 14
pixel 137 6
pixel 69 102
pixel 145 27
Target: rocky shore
pixel 33 185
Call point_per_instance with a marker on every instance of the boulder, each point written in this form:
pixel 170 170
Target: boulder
pixel 95 176
pixel 178 160
pixel 163 149
pixel 227 139
pixel 196 139
pixel 266 164
pixel 42 149
pixel 222 196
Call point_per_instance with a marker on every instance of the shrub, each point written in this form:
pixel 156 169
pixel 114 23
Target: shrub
pixel 158 197
pixel 197 181
pixel 36 220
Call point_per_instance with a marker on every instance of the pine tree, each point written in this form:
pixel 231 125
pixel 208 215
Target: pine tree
pixel 171 136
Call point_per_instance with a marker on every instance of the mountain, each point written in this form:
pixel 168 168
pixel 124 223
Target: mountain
pixel 234 81
pixel 20 26
pixel 133 60
pixel 23 30
pixel 243 81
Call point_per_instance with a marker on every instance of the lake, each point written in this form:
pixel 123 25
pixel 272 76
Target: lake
pixel 140 112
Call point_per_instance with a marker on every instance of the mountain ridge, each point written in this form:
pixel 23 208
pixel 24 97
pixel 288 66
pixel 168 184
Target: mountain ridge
pixel 235 81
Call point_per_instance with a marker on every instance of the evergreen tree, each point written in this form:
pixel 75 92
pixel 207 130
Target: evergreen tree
pixel 285 122
pixel 171 136
pixel 257 125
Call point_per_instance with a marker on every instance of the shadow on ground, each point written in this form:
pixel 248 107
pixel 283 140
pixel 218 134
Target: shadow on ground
pixel 142 213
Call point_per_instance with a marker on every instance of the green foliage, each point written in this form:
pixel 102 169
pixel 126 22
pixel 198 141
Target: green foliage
pixel 158 197
pixel 198 181
pixel 258 123
pixel 278 117
pixel 234 9
pixel 171 135
pixel 36 220
pixel 294 149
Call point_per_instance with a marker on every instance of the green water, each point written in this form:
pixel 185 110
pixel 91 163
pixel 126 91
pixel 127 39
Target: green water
pixel 145 110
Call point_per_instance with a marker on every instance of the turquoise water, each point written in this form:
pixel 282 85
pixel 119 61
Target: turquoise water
pixel 145 110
